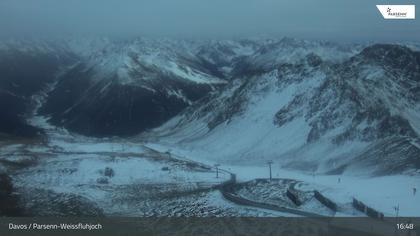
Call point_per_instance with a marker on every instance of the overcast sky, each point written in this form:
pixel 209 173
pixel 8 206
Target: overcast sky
pixel 350 20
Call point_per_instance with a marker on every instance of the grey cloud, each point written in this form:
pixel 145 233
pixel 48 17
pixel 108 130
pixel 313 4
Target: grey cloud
pixel 348 20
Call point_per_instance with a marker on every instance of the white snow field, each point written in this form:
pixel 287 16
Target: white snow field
pixel 78 167
pixel 118 177
pixel 381 193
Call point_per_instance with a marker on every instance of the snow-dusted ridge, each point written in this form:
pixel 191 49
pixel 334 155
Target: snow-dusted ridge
pixel 312 114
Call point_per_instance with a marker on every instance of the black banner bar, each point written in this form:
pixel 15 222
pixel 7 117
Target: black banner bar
pixel 194 226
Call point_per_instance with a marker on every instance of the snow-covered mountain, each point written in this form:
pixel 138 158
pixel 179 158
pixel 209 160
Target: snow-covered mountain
pixel 25 68
pixel 327 110
pixel 103 87
pixel 125 88
pixel 317 106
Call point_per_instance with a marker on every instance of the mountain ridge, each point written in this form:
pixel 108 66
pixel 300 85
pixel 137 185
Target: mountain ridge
pixel 313 114
pixel 315 106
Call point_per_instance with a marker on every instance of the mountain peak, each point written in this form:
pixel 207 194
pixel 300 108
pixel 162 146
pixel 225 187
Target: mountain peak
pixel 392 54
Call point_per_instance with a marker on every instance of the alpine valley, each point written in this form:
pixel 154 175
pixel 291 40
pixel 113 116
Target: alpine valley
pixel 89 123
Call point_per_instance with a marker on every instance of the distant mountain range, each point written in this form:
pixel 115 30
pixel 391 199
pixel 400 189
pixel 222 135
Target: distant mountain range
pixel 316 106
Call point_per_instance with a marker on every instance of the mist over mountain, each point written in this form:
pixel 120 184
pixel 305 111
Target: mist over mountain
pixel 306 19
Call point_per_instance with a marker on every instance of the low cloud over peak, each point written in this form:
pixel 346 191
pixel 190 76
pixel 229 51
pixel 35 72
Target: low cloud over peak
pixel 324 19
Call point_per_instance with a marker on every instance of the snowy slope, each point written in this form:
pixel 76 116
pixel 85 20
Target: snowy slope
pixel 313 115
pixel 125 87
